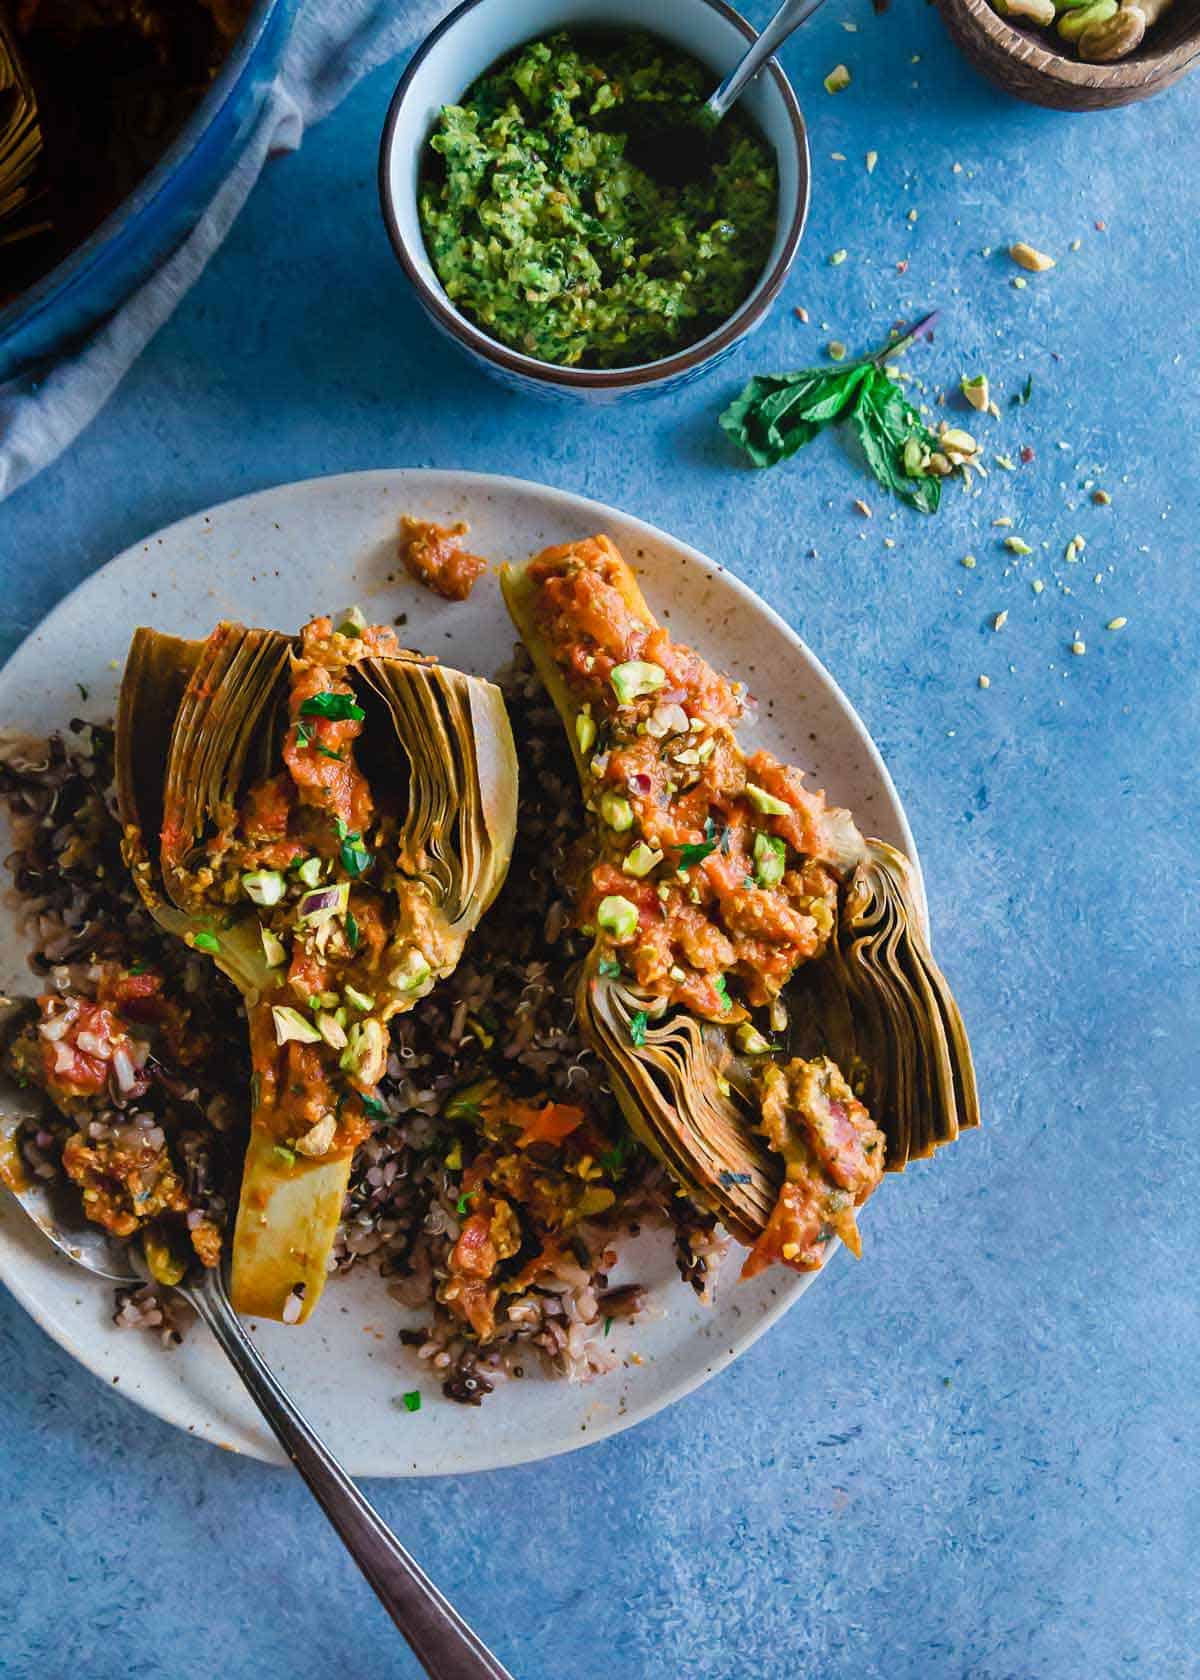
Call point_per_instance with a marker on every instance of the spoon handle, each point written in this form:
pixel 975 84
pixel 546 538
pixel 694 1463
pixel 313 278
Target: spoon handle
pixel 789 16
pixel 442 1641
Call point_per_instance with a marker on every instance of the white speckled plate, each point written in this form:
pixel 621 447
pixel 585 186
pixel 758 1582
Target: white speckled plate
pixel 273 559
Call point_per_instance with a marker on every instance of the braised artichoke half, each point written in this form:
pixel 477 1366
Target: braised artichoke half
pixel 21 148
pixel 750 943
pixel 327 817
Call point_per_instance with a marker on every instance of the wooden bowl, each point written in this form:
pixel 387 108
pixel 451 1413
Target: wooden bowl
pixel 1022 61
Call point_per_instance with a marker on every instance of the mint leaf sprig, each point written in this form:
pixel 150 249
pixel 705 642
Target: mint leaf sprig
pixel 777 414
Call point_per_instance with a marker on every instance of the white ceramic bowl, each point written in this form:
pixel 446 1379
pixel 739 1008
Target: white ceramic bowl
pixel 467 43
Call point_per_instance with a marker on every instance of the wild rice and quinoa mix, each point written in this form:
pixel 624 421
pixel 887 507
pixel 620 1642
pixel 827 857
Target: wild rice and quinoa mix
pixel 495 1193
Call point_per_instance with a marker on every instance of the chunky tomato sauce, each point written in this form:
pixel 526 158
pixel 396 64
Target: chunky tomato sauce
pixel 683 832
pixel 305 846
pixel 434 555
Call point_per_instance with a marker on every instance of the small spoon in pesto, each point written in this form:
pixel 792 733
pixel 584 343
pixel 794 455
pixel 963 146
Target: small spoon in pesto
pixel 681 151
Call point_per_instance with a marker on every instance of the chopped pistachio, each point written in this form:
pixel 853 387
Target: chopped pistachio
pixel 1000 620
pixel 872 160
pixel 1003 521
pixel 912 215
pixel 1078 646
pixel 837 79
pixel 836 258
pixel 1015 545
pixel 863 507
pixel 585 731
pixel 835 350
pixel 969 561
pixel 767 803
pixel 1038 586
pixel 640 860
pixel 616 812
pixel 1006 462
pixel 1020 283
pixel 1116 624
pixel 985 682
pixel 1025 256
pixel 976 391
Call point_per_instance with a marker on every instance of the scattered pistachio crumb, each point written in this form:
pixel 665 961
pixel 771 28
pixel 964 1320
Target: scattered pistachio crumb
pixel 912 215
pixel 975 390
pixel 1116 624
pixel 835 350
pixel 837 79
pixel 838 157
pixel 1078 646
pixel 1005 519
pixel 850 28
pixel 1020 284
pixel 836 258
pixel 863 508
pixel 968 560
pixel 872 160
pixel 1026 256
pixel 889 542
pixel 1000 620
pixel 1005 461
pixel 1016 545
pixel 1038 586
pixel 1077 244
pixel 985 682
pixel 956 168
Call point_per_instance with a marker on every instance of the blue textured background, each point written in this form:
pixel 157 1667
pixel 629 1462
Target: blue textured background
pixel 973 1454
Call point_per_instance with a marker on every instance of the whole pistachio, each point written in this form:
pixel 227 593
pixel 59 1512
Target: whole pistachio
pixel 1106 39
pixel 1072 24
pixel 1033 11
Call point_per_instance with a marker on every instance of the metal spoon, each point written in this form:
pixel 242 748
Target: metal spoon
pixel 442 1641
pixel 679 152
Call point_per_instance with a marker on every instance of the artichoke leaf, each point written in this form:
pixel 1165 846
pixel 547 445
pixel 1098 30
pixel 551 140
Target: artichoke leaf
pixel 679 1103
pixel 900 1022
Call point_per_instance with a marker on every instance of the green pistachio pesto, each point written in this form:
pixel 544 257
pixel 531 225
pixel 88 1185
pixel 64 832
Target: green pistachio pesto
pixel 552 240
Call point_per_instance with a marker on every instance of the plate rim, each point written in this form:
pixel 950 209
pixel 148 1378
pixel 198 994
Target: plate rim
pixel 730 1348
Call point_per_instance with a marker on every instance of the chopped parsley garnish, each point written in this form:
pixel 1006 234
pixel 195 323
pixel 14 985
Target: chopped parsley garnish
pixel 374 1108
pixel 340 828
pixel 1021 397
pixel 412 1400
pixel 206 942
pixel 608 967
pixel 328 752
pixel 138 967
pixel 637 1028
pixel 287 1156
pixel 351 930
pixel 83 693
pixel 695 852
pixel 608 1324
pixel 721 987
pixel 614 1160
pixel 356 859
pixel 336 708
pixel 463 1203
